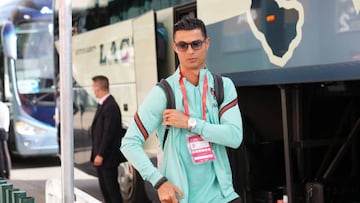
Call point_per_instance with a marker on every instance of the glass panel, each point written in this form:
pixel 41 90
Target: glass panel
pixel 35 64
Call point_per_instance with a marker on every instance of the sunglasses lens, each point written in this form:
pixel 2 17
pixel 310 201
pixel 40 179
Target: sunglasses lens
pixel 196 45
pixel 182 46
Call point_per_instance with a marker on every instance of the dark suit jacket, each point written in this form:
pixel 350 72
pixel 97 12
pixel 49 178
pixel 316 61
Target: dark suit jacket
pixel 106 133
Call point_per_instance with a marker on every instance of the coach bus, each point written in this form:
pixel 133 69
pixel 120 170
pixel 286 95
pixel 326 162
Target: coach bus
pixel 28 77
pixel 296 67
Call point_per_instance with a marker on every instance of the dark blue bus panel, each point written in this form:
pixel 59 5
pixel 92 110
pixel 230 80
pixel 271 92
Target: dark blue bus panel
pixel 315 41
pixel 297 72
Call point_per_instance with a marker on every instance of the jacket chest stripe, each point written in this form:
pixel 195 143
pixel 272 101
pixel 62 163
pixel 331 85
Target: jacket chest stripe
pixel 141 126
pixel 227 107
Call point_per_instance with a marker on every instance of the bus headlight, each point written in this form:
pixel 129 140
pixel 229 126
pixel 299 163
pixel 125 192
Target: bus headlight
pixel 28 129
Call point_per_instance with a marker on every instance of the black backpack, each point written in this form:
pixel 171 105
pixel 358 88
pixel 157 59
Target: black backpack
pixel 219 94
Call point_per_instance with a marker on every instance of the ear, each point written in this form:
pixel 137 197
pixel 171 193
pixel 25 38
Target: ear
pixel 174 47
pixel 207 43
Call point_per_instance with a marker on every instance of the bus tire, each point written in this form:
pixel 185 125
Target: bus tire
pixel 131 184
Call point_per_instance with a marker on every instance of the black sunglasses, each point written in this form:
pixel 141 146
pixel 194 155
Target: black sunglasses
pixel 195 45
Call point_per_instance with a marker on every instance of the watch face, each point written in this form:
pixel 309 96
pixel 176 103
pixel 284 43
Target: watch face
pixel 192 122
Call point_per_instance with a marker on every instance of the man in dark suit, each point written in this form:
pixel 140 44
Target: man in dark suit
pixel 106 132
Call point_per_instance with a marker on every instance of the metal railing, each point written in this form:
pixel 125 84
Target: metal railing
pixel 9 194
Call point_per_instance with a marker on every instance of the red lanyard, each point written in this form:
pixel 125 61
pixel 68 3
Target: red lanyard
pixel 203 101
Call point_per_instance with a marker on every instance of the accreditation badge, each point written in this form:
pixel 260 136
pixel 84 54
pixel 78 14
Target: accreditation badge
pixel 200 150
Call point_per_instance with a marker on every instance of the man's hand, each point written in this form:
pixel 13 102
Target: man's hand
pixel 167 193
pixel 173 117
pixel 98 161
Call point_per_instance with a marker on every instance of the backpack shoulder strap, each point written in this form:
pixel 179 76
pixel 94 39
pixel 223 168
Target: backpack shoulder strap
pixel 218 85
pixel 219 93
pixel 170 101
pixel 170 98
pixel 219 88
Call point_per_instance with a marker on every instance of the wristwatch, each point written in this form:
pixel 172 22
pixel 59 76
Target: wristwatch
pixel 191 123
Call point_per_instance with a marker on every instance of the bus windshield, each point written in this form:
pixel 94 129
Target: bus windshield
pixel 35 64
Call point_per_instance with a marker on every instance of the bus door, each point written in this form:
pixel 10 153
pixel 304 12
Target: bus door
pixel 145 56
pixel 146 77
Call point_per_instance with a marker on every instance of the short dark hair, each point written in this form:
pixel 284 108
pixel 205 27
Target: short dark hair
pixel 102 80
pixel 190 23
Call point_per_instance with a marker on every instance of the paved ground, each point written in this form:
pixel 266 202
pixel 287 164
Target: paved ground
pixel 36 188
pixel 31 176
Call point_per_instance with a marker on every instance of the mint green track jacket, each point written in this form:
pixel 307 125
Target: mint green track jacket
pixel 223 128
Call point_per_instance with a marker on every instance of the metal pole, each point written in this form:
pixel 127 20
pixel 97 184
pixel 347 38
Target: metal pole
pixel 66 102
pixel 287 150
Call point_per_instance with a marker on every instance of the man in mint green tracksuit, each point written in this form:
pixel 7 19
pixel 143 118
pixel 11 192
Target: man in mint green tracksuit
pixel 195 166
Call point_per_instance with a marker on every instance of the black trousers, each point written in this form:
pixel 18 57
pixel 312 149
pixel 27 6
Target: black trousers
pixel 237 200
pixel 108 180
pixel 5 162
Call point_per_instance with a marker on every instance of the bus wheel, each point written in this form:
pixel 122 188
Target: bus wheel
pixel 131 184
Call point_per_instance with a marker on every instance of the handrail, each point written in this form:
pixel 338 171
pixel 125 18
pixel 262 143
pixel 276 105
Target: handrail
pixel 9 194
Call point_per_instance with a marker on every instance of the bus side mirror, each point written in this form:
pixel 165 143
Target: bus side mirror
pixel 8 37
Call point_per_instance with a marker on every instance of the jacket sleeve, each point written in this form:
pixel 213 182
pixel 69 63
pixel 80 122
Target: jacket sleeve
pixel 229 131
pixel 146 120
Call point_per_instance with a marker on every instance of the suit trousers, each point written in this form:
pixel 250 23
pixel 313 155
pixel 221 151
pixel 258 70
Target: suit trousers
pixel 109 185
pixel 5 162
